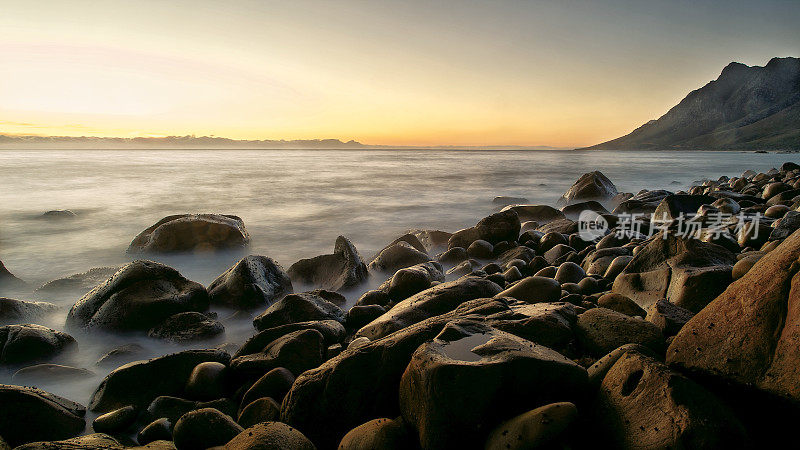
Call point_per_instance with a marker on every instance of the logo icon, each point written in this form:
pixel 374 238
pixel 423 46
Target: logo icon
pixel 591 225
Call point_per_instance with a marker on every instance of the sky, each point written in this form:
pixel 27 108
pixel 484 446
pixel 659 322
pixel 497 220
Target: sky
pixel 560 73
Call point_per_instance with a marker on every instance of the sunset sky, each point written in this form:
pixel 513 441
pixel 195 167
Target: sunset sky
pixel 560 73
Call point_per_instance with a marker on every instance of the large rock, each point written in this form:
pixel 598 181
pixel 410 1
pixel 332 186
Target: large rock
pixel 28 415
pixel 643 404
pixel 294 308
pixel 498 227
pixel 139 382
pixel 590 186
pixel 187 327
pixel 28 343
pixel 270 436
pixel 138 297
pixel 341 270
pixel 534 289
pixel 332 332
pixel 412 280
pixel 470 377
pixel 397 256
pixel 686 271
pixel 674 206
pixel 192 232
pixel 204 428
pixel 13 311
pixel 750 334
pixel 255 281
pixel 297 351
pixel 601 330
pixel 437 300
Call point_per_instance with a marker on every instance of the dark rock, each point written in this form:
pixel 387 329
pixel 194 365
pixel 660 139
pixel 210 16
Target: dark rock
pixel 331 330
pixel 79 283
pixel 114 421
pixel 601 330
pixel 192 232
pixel 600 368
pixel 208 381
pixel 745 264
pixel 385 434
pixel 204 428
pixel 157 430
pixel 574 210
pixel 559 251
pixel 498 227
pixel 28 415
pixel 643 404
pixel 590 186
pixel 397 256
pixel 294 308
pixel 297 351
pixel 563 226
pixel 50 373
pixel 138 383
pixel 412 280
pixel 13 311
pixel 253 282
pixel 431 239
pixel 274 384
pixel 343 269
pixel 28 343
pixel 465 268
pixel 480 249
pixel 269 436
pixel 455 386
pixel 173 408
pixel 535 289
pixel 787 225
pixel 96 441
pixel 538 213
pixel 668 317
pixel 140 296
pixel 453 256
pixel 264 409
pixel 569 272
pixel 685 271
pixel 187 327
pixel 550 240
pixel 677 205
pixel 358 316
pixel 621 304
pixel 502 200
pixel 431 302
pixel 544 427
pixel 59 214
pixel 374 297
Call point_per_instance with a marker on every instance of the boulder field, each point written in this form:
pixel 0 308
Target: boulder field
pixel 519 332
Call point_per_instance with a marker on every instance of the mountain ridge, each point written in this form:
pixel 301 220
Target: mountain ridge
pixel 745 108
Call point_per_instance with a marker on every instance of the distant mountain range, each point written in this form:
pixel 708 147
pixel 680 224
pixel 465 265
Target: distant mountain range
pixel 746 108
pixel 12 142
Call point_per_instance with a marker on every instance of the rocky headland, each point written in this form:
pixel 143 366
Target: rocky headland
pixel 675 324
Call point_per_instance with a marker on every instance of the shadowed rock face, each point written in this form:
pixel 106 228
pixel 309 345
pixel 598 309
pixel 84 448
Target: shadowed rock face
pixel 13 311
pixel 341 270
pixel 8 280
pixel 79 283
pixel 750 334
pixel 21 344
pixel 137 298
pixel 28 415
pixel 453 394
pixel 254 281
pixel 745 108
pixel 192 232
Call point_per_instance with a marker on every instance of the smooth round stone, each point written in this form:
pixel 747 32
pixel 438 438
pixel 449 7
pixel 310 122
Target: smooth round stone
pixel 208 381
pixel 264 409
pixel 617 265
pixel 116 420
pixel 776 211
pixel 621 304
pixel 570 288
pixel 274 384
pixel 534 290
pixel 548 272
pixel 538 428
pixel 481 249
pixel 569 272
pixel 589 285
pixel 512 274
pixel 204 428
pixel 518 263
pixel 745 264
pixel 157 430
pixel 492 268
pixel 550 240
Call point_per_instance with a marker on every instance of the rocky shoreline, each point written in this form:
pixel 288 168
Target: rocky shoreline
pixel 671 322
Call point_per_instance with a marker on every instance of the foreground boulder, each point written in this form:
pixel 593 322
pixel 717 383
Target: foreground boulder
pixel 457 387
pixel 590 186
pixel 341 270
pixel 28 415
pixel 643 404
pixel 14 311
pixel 253 282
pixel 437 300
pixel 28 343
pixel 138 297
pixel 192 232
pixel 687 272
pixel 269 436
pixel 750 334
pixel 138 383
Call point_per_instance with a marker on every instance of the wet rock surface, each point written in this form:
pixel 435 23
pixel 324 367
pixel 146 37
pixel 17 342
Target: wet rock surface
pixel 255 281
pixel 192 233
pixel 341 270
